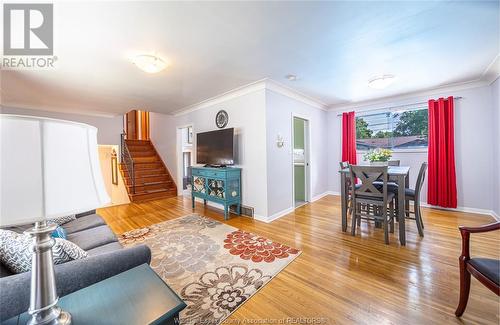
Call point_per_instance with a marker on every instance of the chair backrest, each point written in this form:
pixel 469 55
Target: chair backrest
pixel 420 180
pixel 344 165
pixel 393 162
pixel 368 175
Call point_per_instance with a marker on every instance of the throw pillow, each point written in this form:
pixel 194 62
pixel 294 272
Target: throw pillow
pixel 65 251
pixel 62 220
pixel 59 232
pixel 15 251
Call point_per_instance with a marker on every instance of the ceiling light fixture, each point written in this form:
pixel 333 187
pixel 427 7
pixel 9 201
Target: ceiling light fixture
pixel 381 82
pixel 150 63
pixel 291 77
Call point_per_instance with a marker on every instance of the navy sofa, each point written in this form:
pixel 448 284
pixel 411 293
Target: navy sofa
pixel 106 258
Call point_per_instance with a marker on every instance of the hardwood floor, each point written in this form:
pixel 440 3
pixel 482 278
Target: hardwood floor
pixel 340 279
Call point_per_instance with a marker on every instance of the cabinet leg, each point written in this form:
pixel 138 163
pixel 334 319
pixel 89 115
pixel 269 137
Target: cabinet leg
pixel 204 202
pixel 192 202
pixel 226 208
pixel 239 209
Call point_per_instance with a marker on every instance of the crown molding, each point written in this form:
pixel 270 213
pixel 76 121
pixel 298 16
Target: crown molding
pixel 411 95
pixel 294 94
pixel 85 112
pixel 237 92
pixel 262 84
pixel 492 71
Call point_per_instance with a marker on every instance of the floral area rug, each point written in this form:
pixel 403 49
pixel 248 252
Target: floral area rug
pixel 212 266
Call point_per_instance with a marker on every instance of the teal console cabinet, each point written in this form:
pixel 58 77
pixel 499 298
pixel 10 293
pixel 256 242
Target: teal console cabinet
pixel 219 185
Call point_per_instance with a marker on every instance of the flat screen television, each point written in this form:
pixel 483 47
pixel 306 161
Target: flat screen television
pixel 215 148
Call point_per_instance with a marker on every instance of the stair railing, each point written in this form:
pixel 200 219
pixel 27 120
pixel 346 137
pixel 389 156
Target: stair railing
pixel 127 161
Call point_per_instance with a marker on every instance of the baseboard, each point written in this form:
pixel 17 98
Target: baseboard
pixel 495 215
pixel 462 209
pixel 322 195
pixel 275 216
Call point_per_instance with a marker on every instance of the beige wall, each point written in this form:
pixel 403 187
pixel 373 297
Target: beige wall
pixel 117 193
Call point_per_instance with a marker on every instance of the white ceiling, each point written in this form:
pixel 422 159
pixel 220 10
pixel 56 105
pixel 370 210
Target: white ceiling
pixel 333 47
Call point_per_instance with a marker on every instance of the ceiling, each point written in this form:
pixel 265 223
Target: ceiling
pixel 333 47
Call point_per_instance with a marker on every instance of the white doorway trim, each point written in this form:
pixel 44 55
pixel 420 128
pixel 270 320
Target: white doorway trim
pixel 307 157
pixel 180 157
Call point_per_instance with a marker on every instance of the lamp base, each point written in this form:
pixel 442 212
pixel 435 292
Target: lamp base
pixel 43 299
pixel 52 316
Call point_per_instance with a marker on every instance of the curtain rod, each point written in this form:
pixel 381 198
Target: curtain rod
pixel 398 106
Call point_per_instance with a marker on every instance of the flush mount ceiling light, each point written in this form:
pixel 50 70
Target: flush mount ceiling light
pixel 381 82
pixel 291 77
pixel 149 63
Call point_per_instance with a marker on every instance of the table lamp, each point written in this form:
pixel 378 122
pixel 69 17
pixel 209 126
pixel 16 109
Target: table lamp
pixel 49 168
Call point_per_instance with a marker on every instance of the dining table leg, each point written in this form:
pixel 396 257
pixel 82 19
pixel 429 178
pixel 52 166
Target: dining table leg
pixel 407 202
pixel 343 200
pixel 401 209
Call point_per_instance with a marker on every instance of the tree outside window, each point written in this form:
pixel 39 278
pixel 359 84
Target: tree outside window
pixel 393 130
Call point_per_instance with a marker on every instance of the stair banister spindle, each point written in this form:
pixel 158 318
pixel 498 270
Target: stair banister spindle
pixel 127 160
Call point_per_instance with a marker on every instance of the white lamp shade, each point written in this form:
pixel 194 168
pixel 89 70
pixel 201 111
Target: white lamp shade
pixel 49 168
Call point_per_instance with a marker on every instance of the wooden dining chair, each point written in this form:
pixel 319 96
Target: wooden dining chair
pixel 414 195
pixel 344 165
pixel 486 270
pixel 393 162
pixel 368 194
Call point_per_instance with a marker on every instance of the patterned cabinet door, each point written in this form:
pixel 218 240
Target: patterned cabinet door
pixel 233 188
pixel 199 184
pixel 216 188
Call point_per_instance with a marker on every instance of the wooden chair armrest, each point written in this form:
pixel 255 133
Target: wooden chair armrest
pixel 484 228
pixel 465 233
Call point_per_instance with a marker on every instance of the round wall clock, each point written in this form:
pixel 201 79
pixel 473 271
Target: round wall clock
pixel 221 119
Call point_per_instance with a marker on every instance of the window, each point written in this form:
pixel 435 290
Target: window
pixel 392 129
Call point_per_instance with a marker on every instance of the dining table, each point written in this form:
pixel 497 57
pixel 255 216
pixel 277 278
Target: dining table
pixel 402 176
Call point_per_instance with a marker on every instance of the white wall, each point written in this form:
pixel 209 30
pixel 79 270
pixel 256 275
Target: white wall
pixel 163 136
pixel 474 143
pixel 495 92
pixel 247 116
pixel 279 110
pixel 108 128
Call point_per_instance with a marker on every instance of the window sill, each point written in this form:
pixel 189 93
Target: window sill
pixel 419 150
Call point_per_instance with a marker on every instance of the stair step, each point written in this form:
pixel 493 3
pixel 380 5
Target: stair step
pixel 148 165
pixel 136 154
pixel 147 179
pixel 138 142
pixel 167 185
pixel 147 172
pixel 146 159
pixel 144 147
pixel 153 194
pixel 145 169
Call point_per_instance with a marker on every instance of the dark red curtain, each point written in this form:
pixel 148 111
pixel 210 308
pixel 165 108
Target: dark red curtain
pixel 442 182
pixel 349 137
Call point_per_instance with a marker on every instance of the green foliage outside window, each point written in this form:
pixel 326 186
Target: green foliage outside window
pixel 406 129
pixel 362 130
pixel 412 123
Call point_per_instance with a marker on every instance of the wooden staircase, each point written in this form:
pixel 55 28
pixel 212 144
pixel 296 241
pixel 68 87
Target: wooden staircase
pixel 152 179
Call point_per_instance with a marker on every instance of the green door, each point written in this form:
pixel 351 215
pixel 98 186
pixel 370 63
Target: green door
pixel 299 159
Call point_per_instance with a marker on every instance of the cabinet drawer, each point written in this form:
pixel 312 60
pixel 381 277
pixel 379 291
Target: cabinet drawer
pixel 210 173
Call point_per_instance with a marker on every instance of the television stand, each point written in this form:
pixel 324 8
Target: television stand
pixel 221 185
